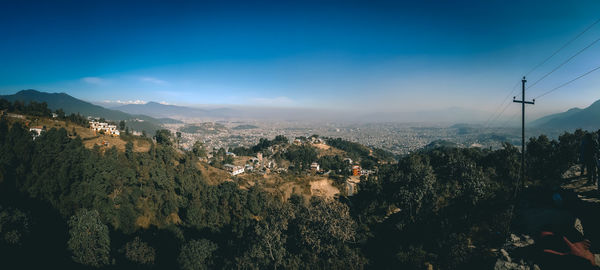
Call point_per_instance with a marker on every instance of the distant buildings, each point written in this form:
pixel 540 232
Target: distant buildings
pixel 356 171
pixel 233 170
pixel 248 168
pixel 314 167
pixel 316 140
pixel 104 127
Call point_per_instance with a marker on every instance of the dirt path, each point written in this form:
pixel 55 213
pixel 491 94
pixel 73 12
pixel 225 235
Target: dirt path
pixel 323 188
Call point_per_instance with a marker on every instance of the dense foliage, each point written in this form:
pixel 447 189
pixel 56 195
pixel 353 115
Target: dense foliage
pixel 105 208
pixel 40 109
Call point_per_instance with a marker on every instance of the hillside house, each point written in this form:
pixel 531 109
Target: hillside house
pixel 233 170
pixel 356 171
pixel 314 167
pixel 316 140
pixel 36 131
pixel 106 128
pixel 366 172
pixel 248 168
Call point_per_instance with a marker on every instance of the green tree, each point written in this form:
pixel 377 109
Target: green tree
pixel 163 137
pixel 139 252
pixel 88 239
pixel 198 149
pixel 196 255
pixel 14 226
pixel 325 225
pixel 268 249
pixel 60 113
pixel 122 125
pixel 178 136
pixel 129 150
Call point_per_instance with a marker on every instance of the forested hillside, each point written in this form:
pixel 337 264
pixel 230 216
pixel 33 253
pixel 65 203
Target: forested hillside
pixel 65 205
pixel 71 105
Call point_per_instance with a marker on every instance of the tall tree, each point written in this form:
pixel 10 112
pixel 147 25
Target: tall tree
pixel 196 255
pixel 88 239
pixel 163 137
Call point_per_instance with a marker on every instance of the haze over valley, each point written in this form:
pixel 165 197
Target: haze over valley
pixel 343 134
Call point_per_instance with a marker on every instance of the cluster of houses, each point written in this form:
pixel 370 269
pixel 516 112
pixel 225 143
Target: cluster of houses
pixel 312 139
pixel 104 127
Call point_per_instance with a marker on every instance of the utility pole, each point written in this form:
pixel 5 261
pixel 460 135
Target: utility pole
pixel 523 102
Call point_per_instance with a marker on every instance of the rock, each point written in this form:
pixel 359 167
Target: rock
pixel 504 265
pixel 528 240
pixel 578 226
pixel 514 238
pixel 523 241
pixel 505 255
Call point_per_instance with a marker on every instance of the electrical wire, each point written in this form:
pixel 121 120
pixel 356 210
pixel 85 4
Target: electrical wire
pixel 562 47
pixel 563 63
pixel 500 106
pixel 567 83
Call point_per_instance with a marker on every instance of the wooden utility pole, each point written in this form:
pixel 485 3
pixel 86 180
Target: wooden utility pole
pixel 523 102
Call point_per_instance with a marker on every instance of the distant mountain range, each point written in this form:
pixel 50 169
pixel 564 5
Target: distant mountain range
pixel 70 105
pixel 588 118
pixel 159 110
pixel 151 115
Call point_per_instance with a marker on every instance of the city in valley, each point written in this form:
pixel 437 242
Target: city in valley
pixel 300 134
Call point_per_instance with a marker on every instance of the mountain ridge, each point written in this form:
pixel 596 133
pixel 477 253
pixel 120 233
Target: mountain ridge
pixel 586 118
pixel 70 104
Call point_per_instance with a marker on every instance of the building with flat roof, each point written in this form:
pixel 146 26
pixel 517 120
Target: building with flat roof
pixel 233 170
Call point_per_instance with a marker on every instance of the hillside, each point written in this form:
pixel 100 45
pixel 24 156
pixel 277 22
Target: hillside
pixel 244 127
pixel 440 144
pixel 151 205
pixel 204 128
pixel 588 118
pixel 70 105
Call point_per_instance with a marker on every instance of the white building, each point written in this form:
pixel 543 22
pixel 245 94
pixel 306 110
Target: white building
pixel 233 170
pixel 314 166
pixel 36 131
pixel 104 127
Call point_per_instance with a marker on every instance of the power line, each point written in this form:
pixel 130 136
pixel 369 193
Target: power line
pixel 495 116
pixel 500 106
pixel 502 112
pixel 510 119
pixel 567 83
pixel 563 46
pixel 563 63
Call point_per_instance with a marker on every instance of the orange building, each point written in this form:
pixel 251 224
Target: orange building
pixel 355 170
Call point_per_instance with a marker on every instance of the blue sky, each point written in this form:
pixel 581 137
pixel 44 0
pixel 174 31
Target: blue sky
pixel 344 55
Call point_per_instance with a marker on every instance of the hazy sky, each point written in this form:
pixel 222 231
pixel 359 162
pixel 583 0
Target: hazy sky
pixel 359 55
